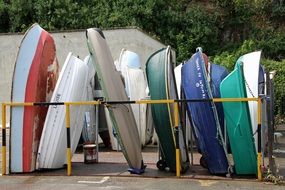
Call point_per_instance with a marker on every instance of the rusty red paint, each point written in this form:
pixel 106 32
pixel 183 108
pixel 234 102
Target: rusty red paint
pixel 40 84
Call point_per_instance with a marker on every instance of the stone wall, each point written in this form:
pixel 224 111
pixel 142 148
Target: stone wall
pixel 74 41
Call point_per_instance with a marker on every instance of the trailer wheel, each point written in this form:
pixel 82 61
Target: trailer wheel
pixel 203 162
pixel 161 165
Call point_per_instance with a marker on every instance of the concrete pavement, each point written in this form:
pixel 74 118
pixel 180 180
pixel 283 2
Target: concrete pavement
pixel 110 182
pixel 111 173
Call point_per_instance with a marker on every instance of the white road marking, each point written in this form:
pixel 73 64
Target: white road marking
pixel 207 183
pixel 96 182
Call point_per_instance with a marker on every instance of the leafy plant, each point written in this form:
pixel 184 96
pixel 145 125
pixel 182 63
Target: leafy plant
pixel 226 29
pixel 229 58
pixel 279 79
pixel 4 22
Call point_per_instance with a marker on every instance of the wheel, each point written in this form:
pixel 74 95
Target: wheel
pixel 184 168
pixel 203 162
pixel 161 165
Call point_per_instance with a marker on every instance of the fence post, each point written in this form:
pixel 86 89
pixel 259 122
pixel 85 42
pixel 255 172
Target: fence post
pixel 176 123
pixel 3 139
pixel 68 151
pixel 259 172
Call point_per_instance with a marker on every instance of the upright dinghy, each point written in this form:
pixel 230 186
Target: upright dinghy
pixel 71 87
pixel 136 85
pixel 204 115
pixel 162 85
pixel 89 127
pixel 262 91
pixel 113 89
pixel 251 69
pixel 34 79
pixel 218 73
pixel 238 122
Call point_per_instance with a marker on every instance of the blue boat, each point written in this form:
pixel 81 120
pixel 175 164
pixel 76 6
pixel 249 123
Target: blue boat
pixel 264 117
pixel 204 114
pixel 218 73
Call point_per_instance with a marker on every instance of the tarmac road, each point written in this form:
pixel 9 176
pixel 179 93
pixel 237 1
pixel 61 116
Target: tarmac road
pixel 98 176
pixel 106 182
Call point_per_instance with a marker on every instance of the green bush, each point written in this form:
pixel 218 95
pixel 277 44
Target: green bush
pixel 4 21
pixel 279 79
pixel 226 29
pixel 228 59
pixel 200 30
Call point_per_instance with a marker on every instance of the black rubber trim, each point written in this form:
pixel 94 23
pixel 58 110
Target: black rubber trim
pixel 3 137
pixel 68 137
pixel 177 137
pixel 100 32
pixel 259 138
pixel 48 103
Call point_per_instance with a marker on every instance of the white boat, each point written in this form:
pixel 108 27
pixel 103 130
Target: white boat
pixel 71 87
pixel 251 72
pixel 188 133
pixel 136 85
pixel 177 73
pixel 89 125
pixel 113 89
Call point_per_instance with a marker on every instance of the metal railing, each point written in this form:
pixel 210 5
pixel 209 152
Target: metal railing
pixel 176 124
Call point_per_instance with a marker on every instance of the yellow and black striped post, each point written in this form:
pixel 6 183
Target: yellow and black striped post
pixel 259 172
pixel 4 105
pixel 176 123
pixel 3 139
pixel 68 150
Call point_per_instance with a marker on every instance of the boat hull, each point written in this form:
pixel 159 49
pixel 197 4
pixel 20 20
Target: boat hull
pixel 161 82
pixel 113 89
pixel 251 75
pixel 34 79
pixel 238 123
pixel 136 85
pixel 89 126
pixel 53 143
pixel 205 121
pixel 218 73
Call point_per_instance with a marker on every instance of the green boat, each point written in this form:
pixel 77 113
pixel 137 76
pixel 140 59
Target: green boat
pixel 238 122
pixel 161 81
